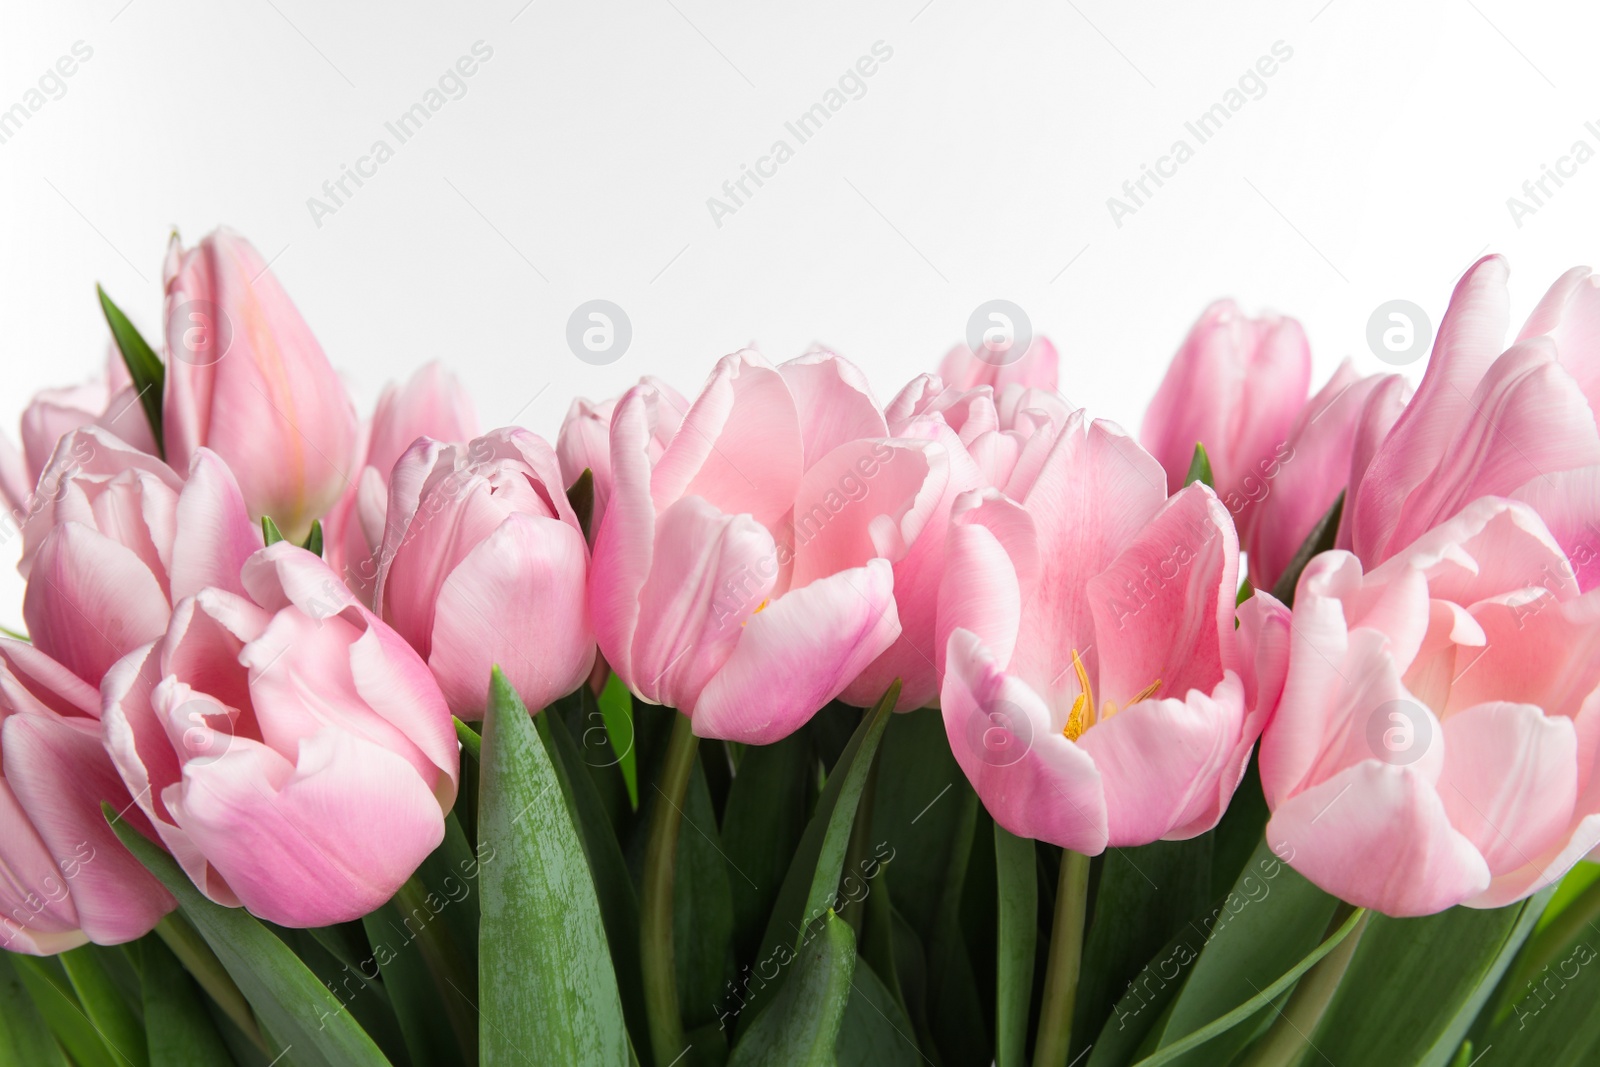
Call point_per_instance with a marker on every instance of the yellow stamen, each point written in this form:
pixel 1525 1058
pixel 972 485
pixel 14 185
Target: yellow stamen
pixel 759 608
pixel 1083 706
pixel 1147 692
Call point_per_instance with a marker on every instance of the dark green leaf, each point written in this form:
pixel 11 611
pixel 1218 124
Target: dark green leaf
pixel 1319 540
pixel 875 1031
pixel 702 909
pixel 1553 1021
pixel 144 366
pixel 57 1003
pixel 104 1007
pixel 580 494
pixel 1414 986
pixel 801 1025
pixel 545 975
pixel 180 1030
pixel 764 822
pixel 811 888
pixel 1018 939
pixel 292 1006
pixel 1145 895
pixel 616 710
pixel 1249 944
pixel 1200 468
pixel 313 542
pixel 25 1039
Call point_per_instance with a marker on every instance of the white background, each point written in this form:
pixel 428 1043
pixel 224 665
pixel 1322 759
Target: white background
pixel 977 165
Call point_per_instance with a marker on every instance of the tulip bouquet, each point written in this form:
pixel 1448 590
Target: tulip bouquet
pixel 782 726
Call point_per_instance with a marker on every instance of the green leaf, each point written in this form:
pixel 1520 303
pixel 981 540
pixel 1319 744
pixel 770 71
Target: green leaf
pixel 1553 1021
pixel 761 828
pixel 801 1026
pixel 1200 468
pixel 179 1028
pixel 25 1038
pixel 1246 591
pixel 1270 921
pixel 545 977
pixel 616 710
pixel 471 740
pixel 810 889
pixel 580 494
pixel 144 366
pixel 1319 540
pixel 619 906
pixel 702 908
pixel 107 1012
pixel 269 530
pixel 313 542
pixel 1145 895
pixel 1414 986
pixel 1230 1022
pixel 955 1007
pixel 293 1007
pixel 1017 923
pixel 57 1003
pixel 875 1031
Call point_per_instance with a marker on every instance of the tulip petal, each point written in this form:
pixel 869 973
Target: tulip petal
pixel 213 534
pixel 527 579
pixel 834 403
pixel 1377 836
pixel 324 840
pixel 798 654
pixel 1034 781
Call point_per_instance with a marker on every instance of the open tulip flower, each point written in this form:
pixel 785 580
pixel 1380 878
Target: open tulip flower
pixel 745 576
pixel 1093 690
pixel 1435 742
pixel 291 750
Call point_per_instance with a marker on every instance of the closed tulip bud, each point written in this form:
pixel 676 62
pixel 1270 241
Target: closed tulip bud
pixel 246 379
pixel 484 564
pixel 291 750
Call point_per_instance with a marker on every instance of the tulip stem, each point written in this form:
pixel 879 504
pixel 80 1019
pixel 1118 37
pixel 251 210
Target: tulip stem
pixel 655 914
pixel 1066 960
pixel 1286 1042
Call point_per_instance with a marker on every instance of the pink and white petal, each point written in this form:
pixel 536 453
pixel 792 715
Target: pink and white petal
pixel 36 906
pixel 517 600
pixel 991 561
pixel 1510 781
pixel 1570 315
pixel 1035 782
pixel 90 600
pixel 325 840
pixel 624 544
pixel 214 534
pixel 712 573
pixel 866 498
pixel 1470 336
pixel 1377 836
pixel 740 445
pixel 1163 610
pixel 834 403
pixel 799 654
pixel 61 774
pixel 1569 504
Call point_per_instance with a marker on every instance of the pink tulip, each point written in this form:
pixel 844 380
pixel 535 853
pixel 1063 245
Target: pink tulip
pixel 963 369
pixel 1326 450
pixel 983 444
pixel 431 403
pixel 246 378
pixel 114 539
pixel 585 440
pixel 65 879
pixel 110 402
pixel 1094 690
pixel 1235 387
pixel 745 575
pixel 483 563
pixel 293 753
pixel 1518 423
pixel 1435 740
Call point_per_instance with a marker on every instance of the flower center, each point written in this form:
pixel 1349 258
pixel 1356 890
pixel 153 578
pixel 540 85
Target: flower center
pixel 1083 714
